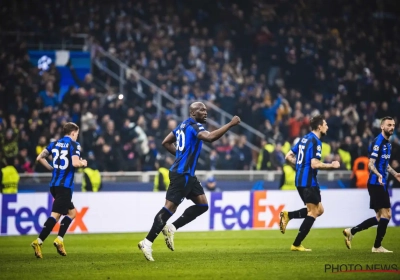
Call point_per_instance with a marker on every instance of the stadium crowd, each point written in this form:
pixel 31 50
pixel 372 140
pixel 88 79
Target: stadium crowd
pixel 273 63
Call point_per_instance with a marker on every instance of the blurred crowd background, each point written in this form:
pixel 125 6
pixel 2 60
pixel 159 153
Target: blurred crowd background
pixel 273 63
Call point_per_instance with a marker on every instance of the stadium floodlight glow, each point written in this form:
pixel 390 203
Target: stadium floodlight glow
pixel 121 96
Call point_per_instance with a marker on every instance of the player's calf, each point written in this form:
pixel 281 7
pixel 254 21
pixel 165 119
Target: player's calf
pixel 190 214
pixel 160 220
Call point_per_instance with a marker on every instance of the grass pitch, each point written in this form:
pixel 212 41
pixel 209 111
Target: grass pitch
pixel 202 255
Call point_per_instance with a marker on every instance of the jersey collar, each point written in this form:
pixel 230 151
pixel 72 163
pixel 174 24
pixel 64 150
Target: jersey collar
pixel 383 138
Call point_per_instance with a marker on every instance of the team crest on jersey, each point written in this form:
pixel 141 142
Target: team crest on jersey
pixel 376 148
pixel 78 147
pixel 319 148
pixel 304 140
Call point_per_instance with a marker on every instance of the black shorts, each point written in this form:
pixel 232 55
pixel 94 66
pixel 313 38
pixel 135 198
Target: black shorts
pixel 378 197
pixel 310 195
pixel 182 186
pixel 62 200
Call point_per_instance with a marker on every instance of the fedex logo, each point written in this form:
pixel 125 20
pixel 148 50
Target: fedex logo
pixel 395 208
pixel 396 213
pixel 27 218
pixel 256 214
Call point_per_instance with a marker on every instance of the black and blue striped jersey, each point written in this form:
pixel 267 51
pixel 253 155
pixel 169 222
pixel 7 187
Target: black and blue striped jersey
pixel 380 149
pixel 306 149
pixel 62 151
pixel 188 147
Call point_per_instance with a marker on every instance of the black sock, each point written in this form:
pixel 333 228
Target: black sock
pixel 299 214
pixel 159 222
pixel 64 226
pixel 364 225
pixel 190 214
pixel 381 231
pixel 304 230
pixel 47 228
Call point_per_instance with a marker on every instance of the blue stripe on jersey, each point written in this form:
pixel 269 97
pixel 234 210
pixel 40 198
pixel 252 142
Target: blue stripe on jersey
pixel 188 147
pixel 306 149
pixel 62 151
pixel 380 149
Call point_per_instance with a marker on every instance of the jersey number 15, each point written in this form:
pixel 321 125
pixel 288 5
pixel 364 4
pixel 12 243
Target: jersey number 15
pixel 300 157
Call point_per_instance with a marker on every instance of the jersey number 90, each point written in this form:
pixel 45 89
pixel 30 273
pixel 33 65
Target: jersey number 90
pixel 63 156
pixel 180 140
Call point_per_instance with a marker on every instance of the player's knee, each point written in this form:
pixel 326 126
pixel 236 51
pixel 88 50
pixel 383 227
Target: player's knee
pixel 72 214
pixel 203 208
pixel 321 211
pixel 386 215
pixel 56 216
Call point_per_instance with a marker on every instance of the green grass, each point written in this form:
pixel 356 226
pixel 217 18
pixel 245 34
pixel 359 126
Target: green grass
pixel 206 255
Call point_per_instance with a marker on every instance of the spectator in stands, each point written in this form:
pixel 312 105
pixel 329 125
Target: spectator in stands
pixel 244 154
pixel 277 157
pixel 49 97
pixel 211 185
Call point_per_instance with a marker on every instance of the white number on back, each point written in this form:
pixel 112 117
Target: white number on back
pixel 300 157
pixel 180 140
pixel 63 156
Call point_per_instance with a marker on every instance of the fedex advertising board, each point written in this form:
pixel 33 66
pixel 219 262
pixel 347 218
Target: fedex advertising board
pixel 105 212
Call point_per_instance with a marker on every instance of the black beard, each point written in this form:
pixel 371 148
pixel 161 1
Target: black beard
pixel 387 133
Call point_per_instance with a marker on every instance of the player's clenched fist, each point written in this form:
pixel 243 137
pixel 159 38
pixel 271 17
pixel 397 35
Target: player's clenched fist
pixel 335 164
pixel 235 120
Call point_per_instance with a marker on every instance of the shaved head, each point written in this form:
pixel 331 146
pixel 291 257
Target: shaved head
pixel 198 111
pixel 195 106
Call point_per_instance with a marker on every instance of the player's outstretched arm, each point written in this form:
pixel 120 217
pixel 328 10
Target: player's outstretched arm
pixel 317 164
pixel 291 158
pixel 216 134
pixel 168 143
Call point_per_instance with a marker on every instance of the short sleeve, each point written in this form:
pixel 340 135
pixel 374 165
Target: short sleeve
pixel 50 147
pixel 75 149
pixel 295 148
pixel 316 149
pixel 198 127
pixel 373 150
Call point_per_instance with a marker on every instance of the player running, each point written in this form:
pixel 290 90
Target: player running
pixel 379 155
pixel 306 156
pixel 66 157
pixel 188 138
